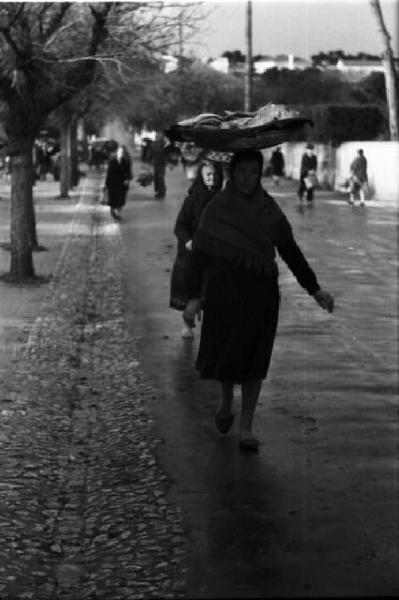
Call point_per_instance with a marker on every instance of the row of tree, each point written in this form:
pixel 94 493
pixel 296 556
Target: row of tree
pixel 59 61
pixel 236 57
pixel 163 98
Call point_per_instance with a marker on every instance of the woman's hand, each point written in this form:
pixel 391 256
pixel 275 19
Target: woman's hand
pixel 192 310
pixel 189 245
pixel 325 299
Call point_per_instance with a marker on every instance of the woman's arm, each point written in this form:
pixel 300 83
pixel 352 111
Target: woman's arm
pixel 182 229
pixel 292 255
pixel 196 265
pixel 108 176
pixel 129 169
pixel 195 275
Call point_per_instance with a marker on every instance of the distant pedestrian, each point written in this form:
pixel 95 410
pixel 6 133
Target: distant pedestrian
pixel 145 149
pixel 39 160
pixel 233 277
pixel 308 179
pixel 358 180
pixel 117 180
pixel 277 165
pixel 208 181
pixel 157 158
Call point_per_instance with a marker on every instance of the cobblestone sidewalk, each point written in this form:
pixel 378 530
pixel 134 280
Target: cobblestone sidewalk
pixel 83 508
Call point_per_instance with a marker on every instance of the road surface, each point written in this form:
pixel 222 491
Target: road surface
pixel 315 512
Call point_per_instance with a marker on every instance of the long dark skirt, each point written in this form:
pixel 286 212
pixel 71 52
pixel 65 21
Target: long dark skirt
pixel 179 295
pixel 239 326
pixel 117 195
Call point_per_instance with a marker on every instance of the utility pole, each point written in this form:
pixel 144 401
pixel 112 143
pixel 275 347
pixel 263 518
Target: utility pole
pixel 180 24
pixel 248 70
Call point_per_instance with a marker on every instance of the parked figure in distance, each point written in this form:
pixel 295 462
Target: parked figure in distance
pixel 119 174
pixel 308 179
pixel 157 158
pixel 208 181
pixel 233 277
pixel 277 165
pixel 358 178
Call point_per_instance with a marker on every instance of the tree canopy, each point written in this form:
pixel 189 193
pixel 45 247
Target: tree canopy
pixel 50 52
pixel 331 57
pixel 56 56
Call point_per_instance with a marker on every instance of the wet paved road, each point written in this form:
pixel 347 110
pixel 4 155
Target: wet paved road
pixel 315 513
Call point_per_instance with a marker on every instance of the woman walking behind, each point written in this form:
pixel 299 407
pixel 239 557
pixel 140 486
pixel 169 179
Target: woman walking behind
pixel 307 174
pixel 233 277
pixel 119 174
pixel 208 181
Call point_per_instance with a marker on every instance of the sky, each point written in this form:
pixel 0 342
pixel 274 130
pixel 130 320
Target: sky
pixel 300 27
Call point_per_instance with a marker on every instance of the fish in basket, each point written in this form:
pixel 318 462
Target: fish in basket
pixel 271 125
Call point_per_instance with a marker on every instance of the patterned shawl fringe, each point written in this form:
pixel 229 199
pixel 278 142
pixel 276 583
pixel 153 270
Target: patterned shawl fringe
pixel 227 251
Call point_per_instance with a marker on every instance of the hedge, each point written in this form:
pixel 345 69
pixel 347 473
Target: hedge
pixel 337 123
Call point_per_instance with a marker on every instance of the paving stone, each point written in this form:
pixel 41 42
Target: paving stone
pixel 85 497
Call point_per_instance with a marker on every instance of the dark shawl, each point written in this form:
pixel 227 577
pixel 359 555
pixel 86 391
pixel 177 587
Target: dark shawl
pixel 189 214
pixel 243 229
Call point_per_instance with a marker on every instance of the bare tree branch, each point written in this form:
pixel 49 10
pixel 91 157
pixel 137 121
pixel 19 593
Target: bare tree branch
pixel 59 32
pixel 5 31
pixel 57 19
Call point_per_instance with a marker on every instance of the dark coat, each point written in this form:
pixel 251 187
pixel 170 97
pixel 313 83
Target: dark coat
pixel 240 309
pixel 186 223
pixel 156 154
pixel 277 162
pixel 308 163
pixel 117 181
pixel 359 168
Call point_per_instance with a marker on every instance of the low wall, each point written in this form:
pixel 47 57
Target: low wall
pixel 334 165
pixel 293 152
pixel 382 167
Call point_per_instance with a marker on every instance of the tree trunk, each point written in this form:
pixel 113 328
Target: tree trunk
pixel 65 159
pixel 23 226
pixel 389 68
pixel 74 174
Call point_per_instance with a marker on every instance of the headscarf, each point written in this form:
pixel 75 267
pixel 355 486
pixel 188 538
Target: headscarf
pixel 242 229
pixel 198 183
pixel 247 155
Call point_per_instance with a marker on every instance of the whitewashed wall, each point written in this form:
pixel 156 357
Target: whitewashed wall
pixel 334 163
pixel 382 166
pixel 293 152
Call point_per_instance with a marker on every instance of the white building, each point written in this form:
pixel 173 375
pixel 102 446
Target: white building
pixel 220 64
pixel 170 62
pixel 282 61
pixel 291 62
pixel 359 67
pixel 263 64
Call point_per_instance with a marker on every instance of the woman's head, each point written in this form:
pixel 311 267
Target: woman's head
pixel 211 174
pixel 121 151
pixel 310 149
pixel 246 170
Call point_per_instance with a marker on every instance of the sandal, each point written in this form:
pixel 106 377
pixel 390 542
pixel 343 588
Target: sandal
pixel 249 443
pixel 224 423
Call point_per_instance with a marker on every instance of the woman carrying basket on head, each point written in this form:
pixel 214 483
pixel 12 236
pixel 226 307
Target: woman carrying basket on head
pixel 233 279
